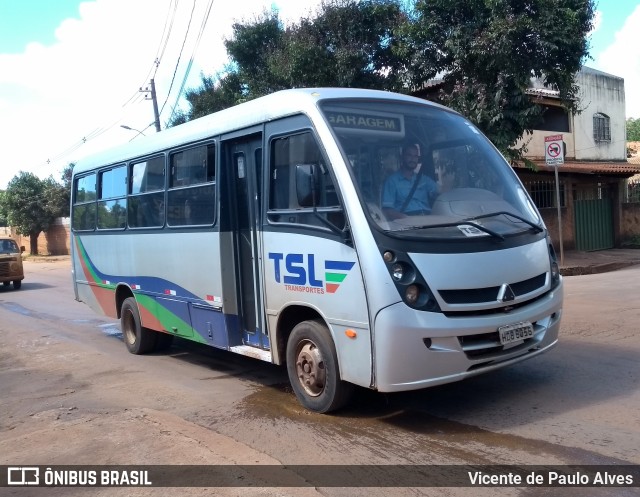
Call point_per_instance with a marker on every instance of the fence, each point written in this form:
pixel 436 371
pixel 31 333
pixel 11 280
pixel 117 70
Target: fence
pixel 633 191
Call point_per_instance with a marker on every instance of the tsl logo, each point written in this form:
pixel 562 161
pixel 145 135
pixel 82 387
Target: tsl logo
pixel 298 273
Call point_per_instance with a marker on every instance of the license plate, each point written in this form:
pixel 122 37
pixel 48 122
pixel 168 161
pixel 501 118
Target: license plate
pixel 515 332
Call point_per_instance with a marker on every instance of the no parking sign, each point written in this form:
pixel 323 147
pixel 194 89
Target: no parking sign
pixel 553 150
pixel 554 156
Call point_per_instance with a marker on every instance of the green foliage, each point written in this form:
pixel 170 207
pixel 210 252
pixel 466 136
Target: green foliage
pixel 3 211
pixel 487 51
pixel 31 204
pixel 57 198
pixel 348 44
pixel 633 130
pixel 211 96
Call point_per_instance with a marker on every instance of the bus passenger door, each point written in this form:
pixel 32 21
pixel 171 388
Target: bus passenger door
pixel 242 159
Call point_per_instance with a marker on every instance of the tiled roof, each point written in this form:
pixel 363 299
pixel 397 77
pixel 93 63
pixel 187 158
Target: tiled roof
pixel 543 92
pixel 584 167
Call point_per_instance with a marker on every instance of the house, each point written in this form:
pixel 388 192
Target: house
pixel 593 178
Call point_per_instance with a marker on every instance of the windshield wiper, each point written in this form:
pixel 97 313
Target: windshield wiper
pixel 453 225
pixel 537 228
pixel 470 222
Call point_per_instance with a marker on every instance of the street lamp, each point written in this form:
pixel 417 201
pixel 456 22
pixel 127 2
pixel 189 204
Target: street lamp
pixel 132 129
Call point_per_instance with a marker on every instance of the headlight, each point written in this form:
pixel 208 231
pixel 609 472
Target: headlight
pixel 389 257
pixel 409 282
pixel 554 268
pixel 412 294
pixel 397 271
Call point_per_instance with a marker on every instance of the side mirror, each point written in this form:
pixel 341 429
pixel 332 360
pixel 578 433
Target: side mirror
pixel 22 249
pixel 307 184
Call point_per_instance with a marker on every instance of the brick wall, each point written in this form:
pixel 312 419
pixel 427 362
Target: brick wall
pixel 630 222
pixel 54 242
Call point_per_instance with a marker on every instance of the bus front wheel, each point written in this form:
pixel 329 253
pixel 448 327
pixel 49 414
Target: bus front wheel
pixel 138 340
pixel 312 364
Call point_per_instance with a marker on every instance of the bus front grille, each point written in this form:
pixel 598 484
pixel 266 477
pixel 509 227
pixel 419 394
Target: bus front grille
pixel 490 294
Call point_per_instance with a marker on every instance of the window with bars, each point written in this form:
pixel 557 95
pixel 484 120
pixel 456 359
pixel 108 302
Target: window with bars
pixel 543 193
pixel 633 191
pixel 601 127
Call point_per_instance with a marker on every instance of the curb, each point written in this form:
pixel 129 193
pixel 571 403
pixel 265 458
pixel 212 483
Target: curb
pixel 595 269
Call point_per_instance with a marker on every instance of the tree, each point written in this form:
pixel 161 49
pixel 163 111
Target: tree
pixel 212 95
pixel 348 44
pixel 485 51
pixel 633 129
pixel 59 195
pixel 32 204
pixel 488 50
pixel 3 212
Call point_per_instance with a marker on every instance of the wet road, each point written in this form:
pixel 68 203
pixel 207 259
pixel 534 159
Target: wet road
pixel 577 404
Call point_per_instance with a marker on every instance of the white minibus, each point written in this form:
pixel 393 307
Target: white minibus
pixel 358 237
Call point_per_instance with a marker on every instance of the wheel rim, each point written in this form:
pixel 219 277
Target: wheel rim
pixel 129 328
pixel 310 368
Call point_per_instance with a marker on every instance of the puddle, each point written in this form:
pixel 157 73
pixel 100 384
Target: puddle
pixel 110 330
pixel 17 308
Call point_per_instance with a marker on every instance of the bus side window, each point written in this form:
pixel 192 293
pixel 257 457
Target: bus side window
pixel 84 203
pixel 112 201
pixel 191 197
pixel 286 154
pixel 145 209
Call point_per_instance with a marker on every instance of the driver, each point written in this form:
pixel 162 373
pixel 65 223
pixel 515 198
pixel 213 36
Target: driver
pixel 405 192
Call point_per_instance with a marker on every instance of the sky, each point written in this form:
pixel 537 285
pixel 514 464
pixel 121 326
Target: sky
pixel 71 72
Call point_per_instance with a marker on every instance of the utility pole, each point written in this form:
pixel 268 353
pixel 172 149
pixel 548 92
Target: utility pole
pixel 155 103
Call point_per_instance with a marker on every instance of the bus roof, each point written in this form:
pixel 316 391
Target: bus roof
pixel 254 112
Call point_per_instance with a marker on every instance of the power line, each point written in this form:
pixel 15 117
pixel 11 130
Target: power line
pixel 138 97
pixel 175 71
pixel 193 53
pixel 166 41
pixel 162 45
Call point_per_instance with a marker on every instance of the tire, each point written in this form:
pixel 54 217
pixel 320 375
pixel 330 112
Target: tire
pixel 17 284
pixel 6 283
pixel 138 340
pixel 312 364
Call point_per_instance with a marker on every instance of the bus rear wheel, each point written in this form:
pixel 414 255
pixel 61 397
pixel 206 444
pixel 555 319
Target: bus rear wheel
pixel 312 364
pixel 138 340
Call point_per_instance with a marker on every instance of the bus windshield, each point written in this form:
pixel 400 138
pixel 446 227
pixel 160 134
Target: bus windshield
pixel 426 171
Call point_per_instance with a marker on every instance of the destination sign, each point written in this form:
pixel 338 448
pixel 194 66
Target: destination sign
pixel 365 122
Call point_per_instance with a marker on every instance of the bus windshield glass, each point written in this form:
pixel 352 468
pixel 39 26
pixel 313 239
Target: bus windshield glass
pixel 426 171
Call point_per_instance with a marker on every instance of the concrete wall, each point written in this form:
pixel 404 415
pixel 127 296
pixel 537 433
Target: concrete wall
pixel 604 93
pixel 630 223
pixel 599 93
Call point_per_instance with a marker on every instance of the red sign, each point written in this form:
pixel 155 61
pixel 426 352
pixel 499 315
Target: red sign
pixel 554 150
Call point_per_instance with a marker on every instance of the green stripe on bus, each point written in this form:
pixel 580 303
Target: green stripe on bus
pixel 334 277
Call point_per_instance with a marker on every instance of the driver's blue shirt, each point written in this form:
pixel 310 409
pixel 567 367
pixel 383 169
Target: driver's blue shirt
pixel 397 188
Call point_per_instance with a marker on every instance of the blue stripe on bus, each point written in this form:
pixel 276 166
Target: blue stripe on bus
pixel 338 265
pixel 148 284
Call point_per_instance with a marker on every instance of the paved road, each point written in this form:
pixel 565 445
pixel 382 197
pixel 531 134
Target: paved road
pixel 72 394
